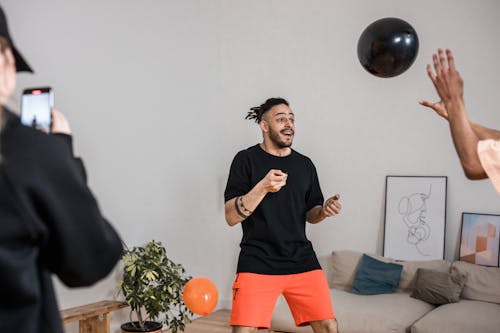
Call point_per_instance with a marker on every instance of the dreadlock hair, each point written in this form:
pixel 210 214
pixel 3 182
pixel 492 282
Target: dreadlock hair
pixel 257 112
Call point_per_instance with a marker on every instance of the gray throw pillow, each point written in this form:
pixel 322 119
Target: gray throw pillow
pixel 438 288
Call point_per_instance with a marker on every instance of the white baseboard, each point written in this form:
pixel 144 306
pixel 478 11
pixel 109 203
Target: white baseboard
pixel 224 303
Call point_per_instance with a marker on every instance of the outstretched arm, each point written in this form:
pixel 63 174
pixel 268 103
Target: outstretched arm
pixel 449 86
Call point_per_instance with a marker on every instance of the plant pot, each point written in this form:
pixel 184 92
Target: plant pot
pixel 149 326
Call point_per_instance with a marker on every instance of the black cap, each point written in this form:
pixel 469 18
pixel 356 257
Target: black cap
pixel 21 64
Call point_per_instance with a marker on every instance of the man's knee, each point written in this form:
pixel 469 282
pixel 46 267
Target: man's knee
pixel 325 326
pixel 244 329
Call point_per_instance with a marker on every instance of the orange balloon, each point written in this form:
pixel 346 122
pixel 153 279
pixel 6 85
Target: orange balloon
pixel 200 295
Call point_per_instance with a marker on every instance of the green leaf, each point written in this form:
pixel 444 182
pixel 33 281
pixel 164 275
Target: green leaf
pixel 153 282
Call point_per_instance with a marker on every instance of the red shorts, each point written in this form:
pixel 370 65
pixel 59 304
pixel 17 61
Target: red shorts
pixel 255 295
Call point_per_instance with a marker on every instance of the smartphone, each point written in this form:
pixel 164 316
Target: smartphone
pixel 36 108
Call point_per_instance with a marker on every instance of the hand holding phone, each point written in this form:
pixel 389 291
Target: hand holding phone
pixel 36 108
pixel 59 123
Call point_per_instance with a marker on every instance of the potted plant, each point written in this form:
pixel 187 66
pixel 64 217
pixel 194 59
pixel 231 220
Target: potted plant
pixel 152 285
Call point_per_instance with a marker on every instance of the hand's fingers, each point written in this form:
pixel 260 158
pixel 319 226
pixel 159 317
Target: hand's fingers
pixel 54 119
pixel 337 205
pixel 276 172
pixel 451 59
pixel 331 210
pixel 429 105
pixel 442 61
pixel 277 183
pixel 275 187
pixel 277 179
pixel 332 206
pixel 332 200
pixel 431 74
pixel 336 209
pixel 328 211
pixel 437 66
pixel 60 124
pixel 278 187
pixel 57 116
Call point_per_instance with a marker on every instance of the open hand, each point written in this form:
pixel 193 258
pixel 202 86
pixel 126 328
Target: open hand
pixel 447 81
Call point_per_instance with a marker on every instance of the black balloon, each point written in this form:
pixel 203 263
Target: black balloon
pixel 388 47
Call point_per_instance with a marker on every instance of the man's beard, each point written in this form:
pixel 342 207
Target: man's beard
pixel 275 138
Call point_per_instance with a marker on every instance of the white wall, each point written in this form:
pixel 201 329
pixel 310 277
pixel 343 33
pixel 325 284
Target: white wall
pixel 156 92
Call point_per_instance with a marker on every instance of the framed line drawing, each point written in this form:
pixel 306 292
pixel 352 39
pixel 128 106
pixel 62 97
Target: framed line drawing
pixel 415 217
pixel 480 239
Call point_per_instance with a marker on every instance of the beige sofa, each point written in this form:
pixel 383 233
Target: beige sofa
pixel 477 311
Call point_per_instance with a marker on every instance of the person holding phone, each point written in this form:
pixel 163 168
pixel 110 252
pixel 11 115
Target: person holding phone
pixel 272 190
pixel 50 221
pixel 477 146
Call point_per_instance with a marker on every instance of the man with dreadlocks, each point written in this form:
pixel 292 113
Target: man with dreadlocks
pixel 272 190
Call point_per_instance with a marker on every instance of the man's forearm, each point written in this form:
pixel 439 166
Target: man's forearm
pixel 315 215
pixel 464 139
pixel 239 208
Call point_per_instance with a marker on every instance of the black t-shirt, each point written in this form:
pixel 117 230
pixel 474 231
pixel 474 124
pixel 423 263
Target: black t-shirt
pixel 274 239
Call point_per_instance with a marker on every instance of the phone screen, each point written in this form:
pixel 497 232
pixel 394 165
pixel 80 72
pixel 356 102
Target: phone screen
pixel 36 108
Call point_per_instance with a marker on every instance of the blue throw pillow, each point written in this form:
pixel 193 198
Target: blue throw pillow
pixel 376 277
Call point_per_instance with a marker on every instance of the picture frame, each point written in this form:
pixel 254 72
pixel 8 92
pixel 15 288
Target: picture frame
pixel 480 239
pixel 415 217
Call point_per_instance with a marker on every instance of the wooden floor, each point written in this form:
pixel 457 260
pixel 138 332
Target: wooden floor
pixel 217 322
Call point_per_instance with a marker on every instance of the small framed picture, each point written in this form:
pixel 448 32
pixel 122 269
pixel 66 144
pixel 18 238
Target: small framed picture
pixel 415 217
pixel 480 239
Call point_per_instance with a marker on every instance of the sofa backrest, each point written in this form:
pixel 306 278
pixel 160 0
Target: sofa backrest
pixel 409 273
pixel 344 264
pixel 482 283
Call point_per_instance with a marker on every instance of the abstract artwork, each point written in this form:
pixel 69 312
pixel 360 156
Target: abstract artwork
pixel 480 239
pixel 415 217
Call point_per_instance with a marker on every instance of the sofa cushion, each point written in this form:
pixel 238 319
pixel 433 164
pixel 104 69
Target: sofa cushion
pixel 376 277
pixel 343 268
pixel 358 313
pixel 377 313
pixel 409 273
pixel 438 288
pixel 462 317
pixel 344 264
pixel 483 283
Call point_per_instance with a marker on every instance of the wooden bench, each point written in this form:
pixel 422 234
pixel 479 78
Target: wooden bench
pixel 94 317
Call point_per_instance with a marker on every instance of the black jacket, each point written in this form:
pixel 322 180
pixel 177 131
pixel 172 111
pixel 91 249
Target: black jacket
pixel 49 223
